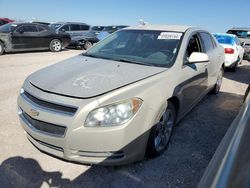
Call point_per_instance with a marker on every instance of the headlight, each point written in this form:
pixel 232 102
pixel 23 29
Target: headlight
pixel 114 114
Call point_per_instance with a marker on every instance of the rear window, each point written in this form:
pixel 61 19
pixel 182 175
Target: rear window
pixel 224 39
pixel 240 33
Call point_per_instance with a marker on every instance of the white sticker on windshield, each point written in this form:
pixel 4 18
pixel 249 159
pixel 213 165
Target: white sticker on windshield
pixel 169 35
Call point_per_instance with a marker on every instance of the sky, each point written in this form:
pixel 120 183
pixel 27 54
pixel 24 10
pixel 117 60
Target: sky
pixel 213 15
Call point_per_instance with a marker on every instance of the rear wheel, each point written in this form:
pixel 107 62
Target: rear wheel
pixel 55 45
pixel 1 48
pixel 217 86
pixel 160 134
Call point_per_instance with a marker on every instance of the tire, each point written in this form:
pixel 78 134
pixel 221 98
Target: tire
pixel 1 48
pixel 217 85
pixel 87 45
pixel 55 45
pixel 160 134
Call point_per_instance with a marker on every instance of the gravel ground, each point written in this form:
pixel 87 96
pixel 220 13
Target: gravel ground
pixel 193 143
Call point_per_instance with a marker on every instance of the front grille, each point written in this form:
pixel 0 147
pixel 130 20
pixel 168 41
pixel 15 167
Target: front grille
pixel 50 106
pixel 43 127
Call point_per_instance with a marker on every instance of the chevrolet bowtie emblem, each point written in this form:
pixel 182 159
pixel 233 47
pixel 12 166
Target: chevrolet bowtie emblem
pixel 33 112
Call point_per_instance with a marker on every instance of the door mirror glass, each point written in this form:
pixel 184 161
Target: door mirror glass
pixel 198 57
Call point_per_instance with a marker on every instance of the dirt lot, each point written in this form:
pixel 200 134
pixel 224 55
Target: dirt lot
pixel 182 165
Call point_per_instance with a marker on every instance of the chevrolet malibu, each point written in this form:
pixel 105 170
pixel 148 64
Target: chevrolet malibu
pixel 120 100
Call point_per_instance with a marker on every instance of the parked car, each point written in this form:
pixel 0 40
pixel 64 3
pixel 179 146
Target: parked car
pixel 73 28
pixel 229 167
pixel 97 28
pixel 244 36
pixel 86 41
pixel 5 21
pixel 121 99
pixel 233 50
pixel 31 36
pixel 114 28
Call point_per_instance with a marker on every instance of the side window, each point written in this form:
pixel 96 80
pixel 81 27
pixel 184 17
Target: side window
pixel 75 27
pixel 207 41
pixel 64 28
pixel 194 45
pixel 84 27
pixel 27 28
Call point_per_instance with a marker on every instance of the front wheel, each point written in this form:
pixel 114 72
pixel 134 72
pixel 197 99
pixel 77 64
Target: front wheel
pixel 160 134
pixel 217 86
pixel 55 45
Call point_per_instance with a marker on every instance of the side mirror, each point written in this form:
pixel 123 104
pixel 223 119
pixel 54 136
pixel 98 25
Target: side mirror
pixel 63 30
pixel 243 44
pixel 198 57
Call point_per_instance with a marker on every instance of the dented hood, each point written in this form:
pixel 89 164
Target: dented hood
pixel 86 77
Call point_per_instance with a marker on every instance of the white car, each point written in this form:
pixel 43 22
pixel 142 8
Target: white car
pixel 233 50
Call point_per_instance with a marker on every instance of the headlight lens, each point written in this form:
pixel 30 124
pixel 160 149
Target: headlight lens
pixel 114 114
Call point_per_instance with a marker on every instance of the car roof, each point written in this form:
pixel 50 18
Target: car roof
pixel 70 23
pixel 176 28
pixel 240 28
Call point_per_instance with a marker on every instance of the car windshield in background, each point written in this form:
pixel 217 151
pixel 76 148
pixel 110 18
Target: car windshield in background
pixel 154 48
pixel 55 26
pixel 7 28
pixel 108 28
pixel 223 39
pixel 97 28
pixel 240 33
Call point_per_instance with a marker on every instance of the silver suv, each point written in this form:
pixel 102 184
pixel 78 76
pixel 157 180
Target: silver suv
pixel 244 35
pixel 73 28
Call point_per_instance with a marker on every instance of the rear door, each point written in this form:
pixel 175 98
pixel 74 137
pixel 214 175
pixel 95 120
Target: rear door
pixel 211 49
pixel 75 30
pixel 44 36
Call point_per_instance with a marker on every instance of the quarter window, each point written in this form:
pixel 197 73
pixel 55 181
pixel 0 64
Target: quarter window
pixel 207 41
pixel 41 28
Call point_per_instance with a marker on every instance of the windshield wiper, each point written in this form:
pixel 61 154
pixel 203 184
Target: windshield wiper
pixel 131 61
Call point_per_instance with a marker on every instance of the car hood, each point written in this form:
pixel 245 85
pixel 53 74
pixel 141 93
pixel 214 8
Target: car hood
pixel 85 77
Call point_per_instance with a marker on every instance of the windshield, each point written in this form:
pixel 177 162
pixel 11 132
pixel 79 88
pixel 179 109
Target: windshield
pixel 7 28
pixel 240 33
pixel 156 48
pixel 55 26
pixel 223 39
pixel 97 28
pixel 108 28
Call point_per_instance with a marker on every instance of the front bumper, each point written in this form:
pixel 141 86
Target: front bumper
pixel 108 146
